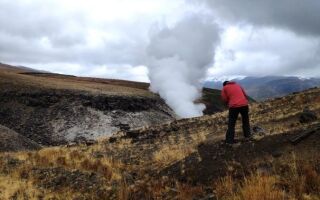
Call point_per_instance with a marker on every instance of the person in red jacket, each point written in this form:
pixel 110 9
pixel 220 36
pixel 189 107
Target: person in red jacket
pixel 237 100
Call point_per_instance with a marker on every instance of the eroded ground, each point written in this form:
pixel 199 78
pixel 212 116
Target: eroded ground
pixel 184 159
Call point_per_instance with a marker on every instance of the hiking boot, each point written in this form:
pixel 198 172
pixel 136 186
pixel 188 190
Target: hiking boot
pixel 251 138
pixel 233 145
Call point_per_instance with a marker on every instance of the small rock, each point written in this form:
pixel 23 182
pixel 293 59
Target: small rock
pixel 307 116
pixel 112 139
pixel 276 154
pixel 258 130
pixel 98 155
pixel 265 168
pixel 71 144
pixel 90 142
pixel 234 145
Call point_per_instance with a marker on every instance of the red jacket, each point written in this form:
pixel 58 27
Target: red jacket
pixel 234 95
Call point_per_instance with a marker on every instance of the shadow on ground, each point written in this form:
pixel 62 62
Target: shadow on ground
pixel 214 159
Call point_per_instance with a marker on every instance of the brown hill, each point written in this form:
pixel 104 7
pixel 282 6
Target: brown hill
pixel 15 78
pixel 54 109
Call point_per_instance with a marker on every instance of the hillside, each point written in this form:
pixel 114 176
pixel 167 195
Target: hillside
pixel 11 141
pixel 211 98
pixel 261 88
pixel 55 109
pixel 183 159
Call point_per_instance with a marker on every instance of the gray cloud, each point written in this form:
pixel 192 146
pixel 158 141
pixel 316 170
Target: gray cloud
pixel 266 51
pixel 301 17
pixel 42 32
pixel 283 38
pixel 47 33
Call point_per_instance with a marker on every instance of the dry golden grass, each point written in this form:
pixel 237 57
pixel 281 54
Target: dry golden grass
pixel 177 149
pixel 260 187
pixel 302 177
pixel 17 182
pixel 292 178
pixel 188 192
pixel 255 187
pixel 169 154
pixel 124 191
pixel 14 188
pixel 224 188
pixel 300 180
pixel 123 144
pixel 76 158
pixel 14 78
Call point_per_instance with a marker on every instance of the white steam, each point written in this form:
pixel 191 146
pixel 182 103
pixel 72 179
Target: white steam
pixel 178 59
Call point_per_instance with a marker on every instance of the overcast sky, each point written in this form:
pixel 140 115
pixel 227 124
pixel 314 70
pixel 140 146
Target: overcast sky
pixel 108 38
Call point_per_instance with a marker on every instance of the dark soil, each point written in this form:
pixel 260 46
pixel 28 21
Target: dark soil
pixel 12 141
pixel 33 113
pixel 217 159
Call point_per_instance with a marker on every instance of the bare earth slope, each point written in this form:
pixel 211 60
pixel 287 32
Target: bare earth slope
pixel 54 109
pixel 183 159
pixel 12 141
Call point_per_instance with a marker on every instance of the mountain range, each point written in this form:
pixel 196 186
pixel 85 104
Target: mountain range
pixel 262 88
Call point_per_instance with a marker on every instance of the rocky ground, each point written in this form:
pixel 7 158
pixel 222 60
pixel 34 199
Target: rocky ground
pixel 53 109
pixel 54 117
pixel 183 159
pixel 151 156
pixel 12 141
pixel 56 109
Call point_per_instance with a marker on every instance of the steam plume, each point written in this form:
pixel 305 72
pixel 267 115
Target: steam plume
pixel 178 59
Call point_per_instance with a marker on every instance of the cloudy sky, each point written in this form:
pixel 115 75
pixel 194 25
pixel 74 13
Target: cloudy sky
pixel 110 38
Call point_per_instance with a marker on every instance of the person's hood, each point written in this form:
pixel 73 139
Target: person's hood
pixel 231 83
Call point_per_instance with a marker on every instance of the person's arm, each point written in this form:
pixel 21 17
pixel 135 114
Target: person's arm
pixel 224 96
pixel 244 92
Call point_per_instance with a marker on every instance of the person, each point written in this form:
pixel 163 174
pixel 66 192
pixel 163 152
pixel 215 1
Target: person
pixel 236 98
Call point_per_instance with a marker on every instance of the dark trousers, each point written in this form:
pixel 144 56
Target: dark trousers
pixel 233 116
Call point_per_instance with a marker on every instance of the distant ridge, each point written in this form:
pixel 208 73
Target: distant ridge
pixel 22 68
pixel 261 88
